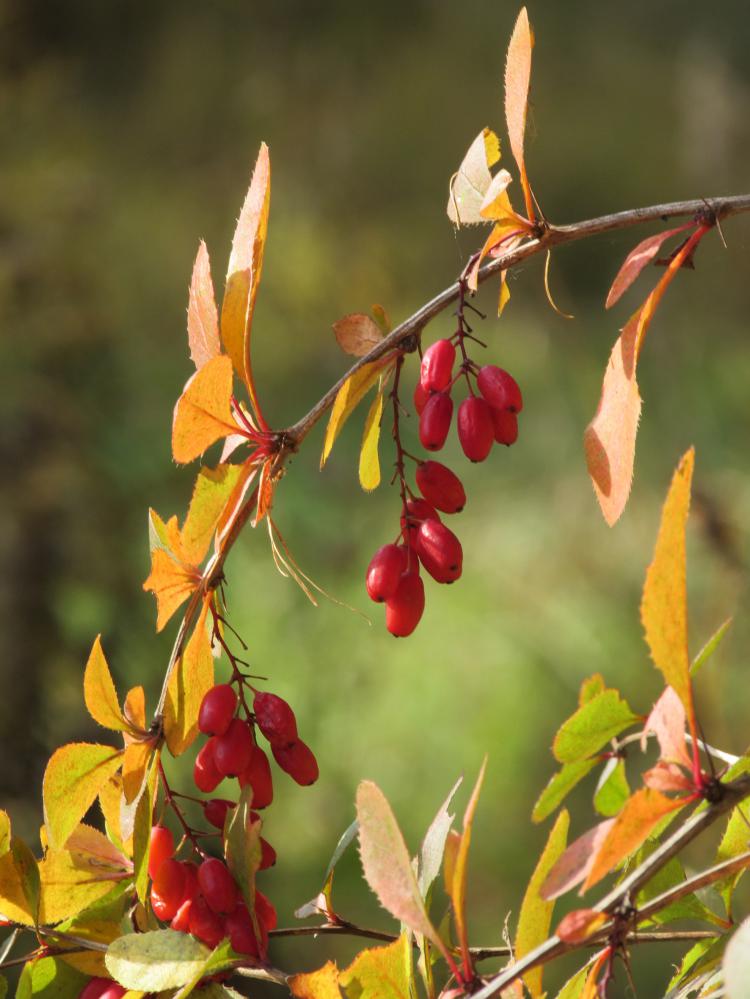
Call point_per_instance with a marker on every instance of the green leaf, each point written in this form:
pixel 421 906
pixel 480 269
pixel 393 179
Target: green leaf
pixel 671 875
pixel 703 955
pixel 28 870
pixel 593 725
pixel 242 846
pixel 75 774
pixel 369 462
pixel 733 842
pixel 433 844
pixel 221 957
pixel 710 647
pixel 613 789
pixel 49 978
pixel 573 988
pixel 560 786
pixel 380 972
pixel 212 489
pixel 155 961
pixel 3 986
pixel 590 687
pixel 142 822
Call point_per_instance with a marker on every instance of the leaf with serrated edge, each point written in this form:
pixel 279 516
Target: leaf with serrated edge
pixel 560 785
pixel 470 184
pixel 369 462
pixel 517 79
pixel 72 881
pixel 203 413
pixel 13 902
pixel 348 398
pixel 211 492
pixel 380 972
pixel 592 725
pixel 155 961
pixel 203 319
pixel 171 582
pixel 356 334
pixel 433 844
pixel 220 957
pixel 460 867
pixel 535 915
pixel 190 680
pixel 99 691
pixel 636 260
pixel 74 776
pixel 574 864
pixel 320 984
pixel 664 601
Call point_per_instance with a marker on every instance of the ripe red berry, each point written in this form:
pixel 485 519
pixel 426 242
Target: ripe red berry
pixel 265 911
pixel 439 551
pixel 218 885
pixel 102 988
pixel 405 608
pixel 205 924
pixel 192 888
pixel 168 889
pixel 384 572
pixel 476 431
pixel 420 398
pixel 232 750
pixel 275 718
pixel 297 760
pixel 437 366
pixel 267 855
pixel 238 926
pixel 181 920
pixel 440 486
pixel 207 778
pixel 417 510
pixel 161 848
pixel 435 421
pixel 506 426
pixel 215 811
pixel 258 775
pixel 217 709
pixel 499 388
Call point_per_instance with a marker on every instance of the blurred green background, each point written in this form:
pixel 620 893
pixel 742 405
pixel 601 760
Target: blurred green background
pixel 129 131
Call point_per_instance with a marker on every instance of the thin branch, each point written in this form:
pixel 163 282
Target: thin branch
pixel 698 881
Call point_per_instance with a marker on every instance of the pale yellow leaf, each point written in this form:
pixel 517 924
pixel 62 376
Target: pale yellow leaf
pixel 369 463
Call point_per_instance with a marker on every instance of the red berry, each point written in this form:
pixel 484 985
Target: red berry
pixel 275 718
pixel 435 421
pixel 205 924
pixel 232 750
pixel 417 510
pixel 217 709
pixel 161 848
pixel 265 911
pixel 102 988
pixel 506 426
pixel 217 885
pixel 215 811
pixel 499 388
pixel 168 889
pixel 440 486
pixel 439 551
pixel 405 608
pixel 476 431
pixel 420 398
pixel 437 366
pixel 181 921
pixel 192 888
pixel 297 760
pixel 384 572
pixel 258 775
pixel 207 778
pixel 238 926
pixel 267 855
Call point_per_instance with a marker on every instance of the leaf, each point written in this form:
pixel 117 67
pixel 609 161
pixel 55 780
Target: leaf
pixel 667 722
pixel 320 984
pixel 110 797
pixel 356 334
pixel 667 777
pixel 75 775
pixel 73 880
pixel 203 320
pixel 141 819
pixel 737 963
pixel 734 842
pixel 369 463
pixel 348 398
pixel 49 978
pixel 28 870
pixel 244 271
pixel 629 830
pixel 459 864
pixel 211 492
pixel 469 185
pixel 203 413
pixel 381 318
pixel 592 725
pixel 575 863
pixel 242 846
pixel 671 875
pixel 560 786
pixel 171 582
pixel 386 863
pixel 636 260
pixel 664 601
pixel 134 709
pixel 220 957
pixel 191 679
pixel 99 691
pixel 517 78
pixel 705 954
pixel 433 844
pixel 155 961
pixel 4 832
pixel 613 790
pixel 380 972
pixel 590 687
pixel 135 763
pixel 14 904
pixel 580 924
pixel 710 647
pixel 573 988
pixel 535 915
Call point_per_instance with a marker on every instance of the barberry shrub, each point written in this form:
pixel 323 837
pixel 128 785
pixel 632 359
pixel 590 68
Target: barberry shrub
pixel 169 892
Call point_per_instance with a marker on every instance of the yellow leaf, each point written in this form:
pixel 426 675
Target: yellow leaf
pixel 380 972
pixel 91 962
pixel 203 320
pixel 369 463
pixel 348 398
pixel 171 582
pixel 459 864
pixel 13 902
pixel 74 776
pixel 536 913
pixel 99 691
pixel 211 492
pixel 470 184
pixel 72 881
pixel 496 205
pixel 452 843
pixel 134 765
pixel 517 78
pixel 134 708
pixel 4 832
pixel 320 984
pixel 236 499
pixel 191 678
pixel 664 601
pixel 110 798
pixel 203 412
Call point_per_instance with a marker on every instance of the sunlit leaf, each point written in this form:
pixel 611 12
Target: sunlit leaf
pixel 670 876
pixel 459 862
pixel 134 709
pixel 702 956
pixel 320 984
pixel 535 915
pixel 142 811
pixel 203 413
pixel 99 691
pixel 575 863
pixel 219 958
pixel 348 398
pixel 667 777
pixel 171 582
pixel 560 785
pixel 357 334
pixel 156 961
pixel 517 79
pixel 135 763
pixel 710 647
pixel 433 844
pixel 636 260
pixel 75 775
pixel 613 790
pixel 594 724
pixel 13 901
pixel 737 963
pixel 27 867
pixel 110 797
pixel 667 722
pixel 97 930
pixel 736 840
pixel 49 978
pixel 73 880
pixel 369 462
pixel 470 184
pixel 203 320
pixel 379 972
pixel 237 498
pixel 191 678
pixel 580 924
pixel 211 492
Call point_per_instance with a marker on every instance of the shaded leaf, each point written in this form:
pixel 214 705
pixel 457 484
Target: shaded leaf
pixel 320 984
pixel 574 865
pixel 171 582
pixel 4 832
pixel 203 413
pixel 613 790
pixel 74 776
pixel 580 924
pixel 380 972
pixel 49 978
pixel 560 785
pixel 433 844
pixel 636 260
pixel 701 956
pixel 357 334
pixel 110 797
pixel 203 319
pixel 142 811
pixel 573 988
pixel 381 318
pixel 191 679
pixel 517 78
pixel 242 846
pixel 99 691
pixel 28 869
pixel 469 185
pixel 594 724
pixel 668 877
pixel 735 840
pixel 155 961
pixel 14 904
pixel 220 957
pixel 369 463
pixel 348 398
pixel 711 646
pixel 535 915
pixel 211 492
pixel 737 963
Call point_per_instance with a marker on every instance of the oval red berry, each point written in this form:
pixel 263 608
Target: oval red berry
pixel 435 421
pixel 476 431
pixel 440 486
pixel 217 709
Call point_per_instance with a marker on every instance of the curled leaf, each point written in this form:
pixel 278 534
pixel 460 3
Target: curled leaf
pixel 349 397
pixel 580 924
pixel 470 184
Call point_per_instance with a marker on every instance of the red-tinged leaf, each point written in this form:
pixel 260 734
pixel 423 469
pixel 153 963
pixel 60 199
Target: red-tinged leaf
pixel 664 601
pixel 244 271
pixel 580 924
pixel 135 764
pixel 203 413
pixel 203 319
pixel 386 862
pixel 357 334
pixel 99 691
pixel 591 986
pixel 560 785
pixel 469 185
pixel 576 862
pixel 98 850
pixel 636 260
pixel 75 775
pixel 14 903
pixel 134 708
pixel 266 487
pixel 592 726
pixel 348 398
pixel 171 583
pixel 644 810
pixel 460 864
pixel 320 984
pixel 191 679
pixel 517 79
pixel 535 915
pixel 667 722
pixel 380 973
pixel 211 493
pixel 667 777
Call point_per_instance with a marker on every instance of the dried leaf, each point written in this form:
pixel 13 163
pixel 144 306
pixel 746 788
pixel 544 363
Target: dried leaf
pixel 203 320
pixel 576 862
pixel 369 462
pixel 171 582
pixel 580 924
pixel 496 205
pixel 190 680
pixel 636 260
pixel 99 691
pixel 320 984
pixel 560 785
pixel 348 398
pixel 75 775
pixel 592 725
pixel 380 972
pixel 203 413
pixel 517 78
pixel 357 334
pixel 433 844
pixel 469 185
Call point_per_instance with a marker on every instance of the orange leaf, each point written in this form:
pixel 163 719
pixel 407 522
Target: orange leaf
pixel 459 864
pixel 579 924
pixel 203 320
pixel 320 984
pixel 134 708
pixel 664 601
pixel 576 862
pixel 191 678
pixel 641 812
pixel 591 986
pixel 357 334
pixel 636 260
pixel 244 271
pixel 203 412
pixel 171 583
pixel 266 487
pixel 134 765
pixel 517 78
